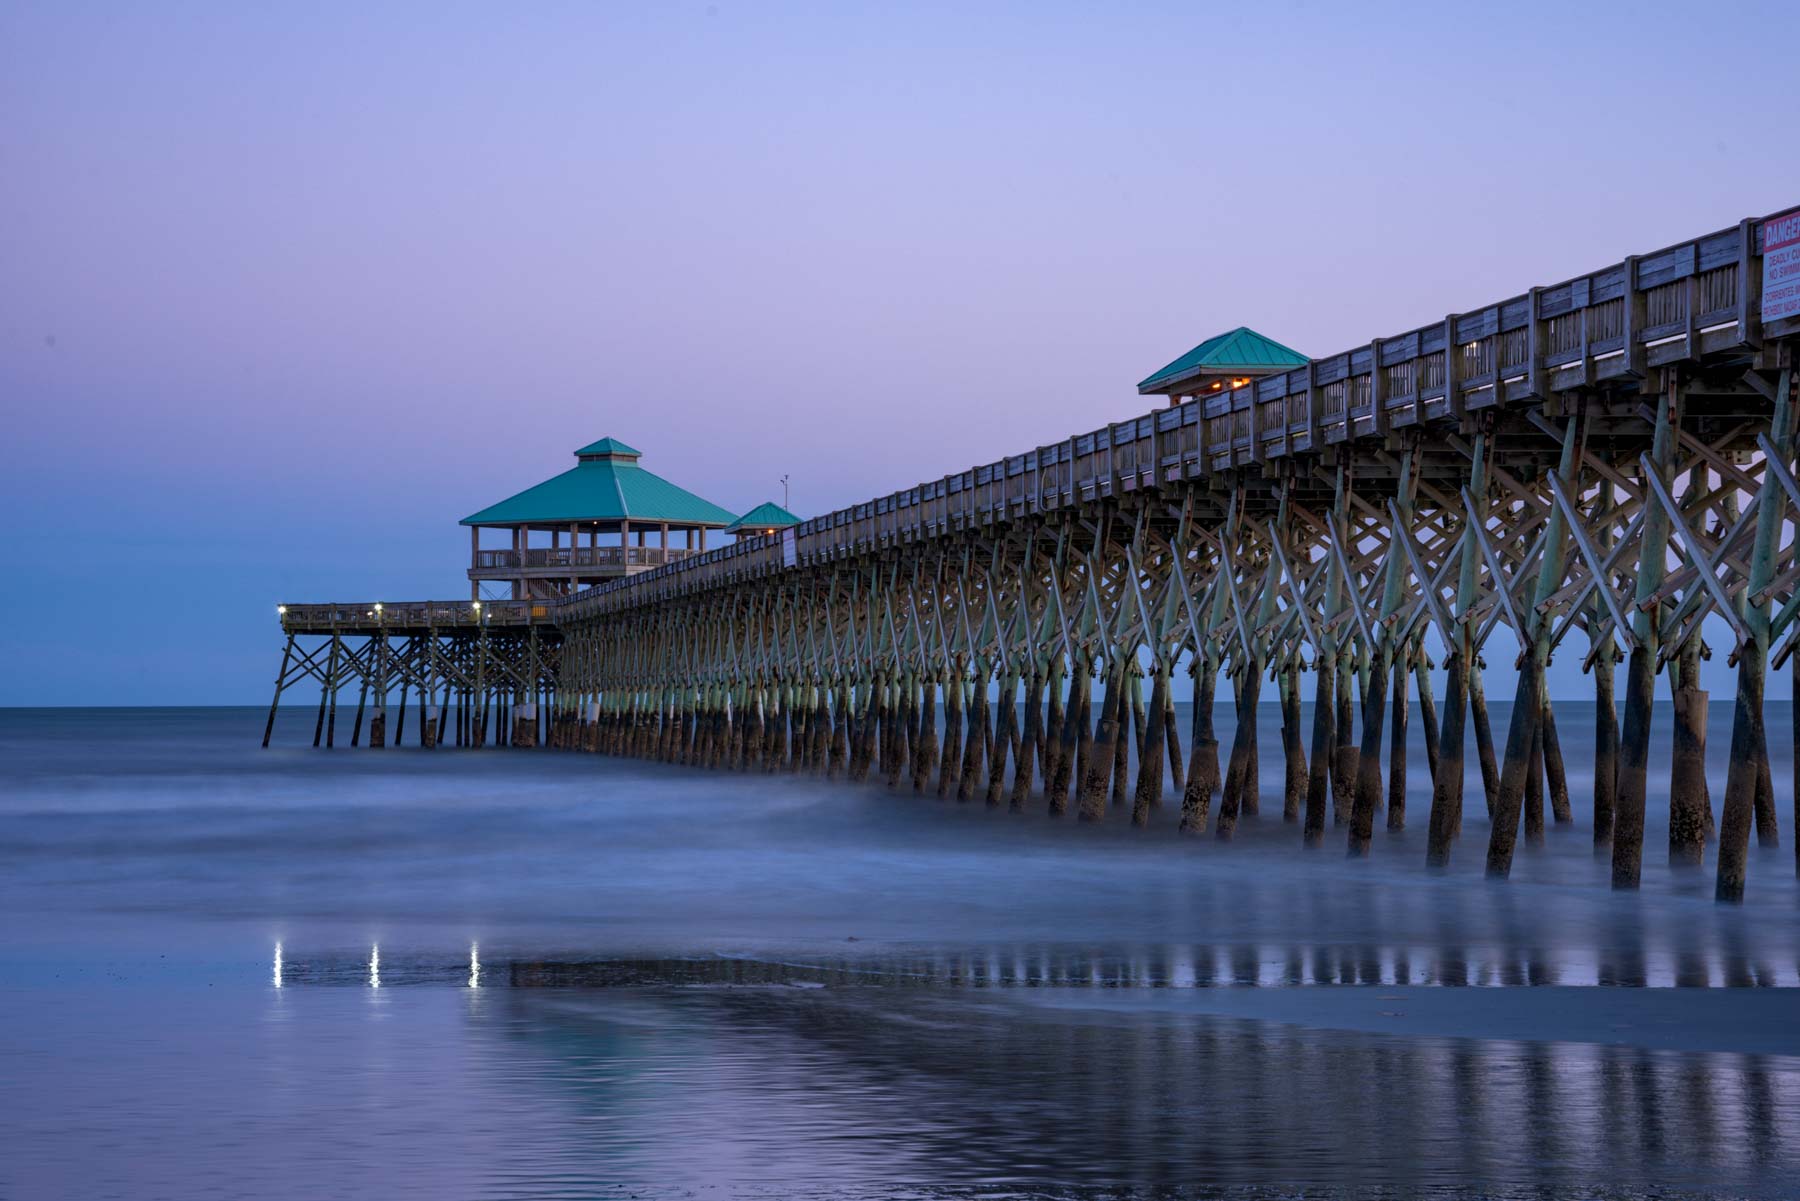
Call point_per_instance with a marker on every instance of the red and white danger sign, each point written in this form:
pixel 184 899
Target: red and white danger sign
pixel 1781 267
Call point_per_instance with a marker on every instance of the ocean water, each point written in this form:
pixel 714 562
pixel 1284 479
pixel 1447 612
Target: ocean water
pixel 230 972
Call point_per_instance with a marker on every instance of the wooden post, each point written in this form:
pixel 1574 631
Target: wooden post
pixel 1428 712
pixel 1447 784
pixel 1203 747
pixel 1131 737
pixel 362 697
pixel 1131 728
pixel 1687 772
pixel 1324 737
pixel 378 719
pixel 287 653
pixel 1006 714
pixel 1368 772
pixel 331 685
pixel 1150 754
pixel 1172 740
pixel 1051 738
pixel 1205 777
pixel 975 736
pixel 1239 770
pixel 1749 745
pixel 840 730
pixel 953 727
pixel 926 748
pixel 1523 739
pixel 1106 733
pixel 1396 792
pixel 1069 735
pixel 1484 733
pixel 1640 679
pixel 1025 762
pixel 400 723
pixel 1534 786
pixel 1555 774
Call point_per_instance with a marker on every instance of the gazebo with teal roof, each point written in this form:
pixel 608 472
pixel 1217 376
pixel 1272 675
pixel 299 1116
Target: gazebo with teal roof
pixel 603 518
pixel 766 518
pixel 1228 360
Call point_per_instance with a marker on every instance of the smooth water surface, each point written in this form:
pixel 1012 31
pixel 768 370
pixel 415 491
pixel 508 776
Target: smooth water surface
pixel 291 973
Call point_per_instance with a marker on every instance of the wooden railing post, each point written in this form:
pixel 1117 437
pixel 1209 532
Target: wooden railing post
pixel 1749 286
pixel 1256 442
pixel 1453 397
pixel 1378 414
pixel 1636 357
pixel 1536 384
pixel 1315 443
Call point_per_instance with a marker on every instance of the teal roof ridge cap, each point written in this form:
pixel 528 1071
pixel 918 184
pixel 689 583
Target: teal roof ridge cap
pixel 609 445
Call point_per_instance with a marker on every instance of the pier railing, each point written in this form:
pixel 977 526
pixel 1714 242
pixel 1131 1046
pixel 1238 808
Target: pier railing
pixel 549 558
pixel 370 616
pixel 1685 302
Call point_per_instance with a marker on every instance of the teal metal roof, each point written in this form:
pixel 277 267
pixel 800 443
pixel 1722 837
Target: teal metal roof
pixel 609 446
pixel 1241 349
pixel 603 489
pixel 766 516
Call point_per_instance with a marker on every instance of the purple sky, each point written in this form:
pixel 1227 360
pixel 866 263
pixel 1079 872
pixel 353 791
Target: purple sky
pixel 284 294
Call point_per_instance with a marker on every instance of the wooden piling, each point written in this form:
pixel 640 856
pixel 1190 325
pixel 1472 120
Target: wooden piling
pixel 1052 741
pixel 1534 786
pixel 1524 739
pixel 1447 785
pixel 926 758
pixel 1606 749
pixel 1640 672
pixel 1324 738
pixel 1129 702
pixel 1025 763
pixel 1148 793
pixel 1204 775
pixel 1106 734
pixel 1292 741
pixel 1172 743
pixel 1396 793
pixel 1075 719
pixel 975 736
pixel 1006 712
pixel 1749 743
pixel 1428 712
pixel 287 655
pixel 1484 734
pixel 1344 759
pixel 950 763
pixel 1687 778
pixel 1240 778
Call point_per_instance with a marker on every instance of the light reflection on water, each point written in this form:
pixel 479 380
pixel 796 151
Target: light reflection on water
pixel 537 975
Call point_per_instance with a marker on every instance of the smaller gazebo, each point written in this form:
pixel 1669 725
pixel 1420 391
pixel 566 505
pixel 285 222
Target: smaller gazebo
pixel 1228 360
pixel 766 518
pixel 603 518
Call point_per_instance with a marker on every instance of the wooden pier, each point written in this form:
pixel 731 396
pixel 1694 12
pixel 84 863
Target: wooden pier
pixel 1611 456
pixel 491 664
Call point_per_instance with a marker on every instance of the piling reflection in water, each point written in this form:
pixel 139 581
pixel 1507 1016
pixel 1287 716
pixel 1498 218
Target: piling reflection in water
pixel 882 1086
